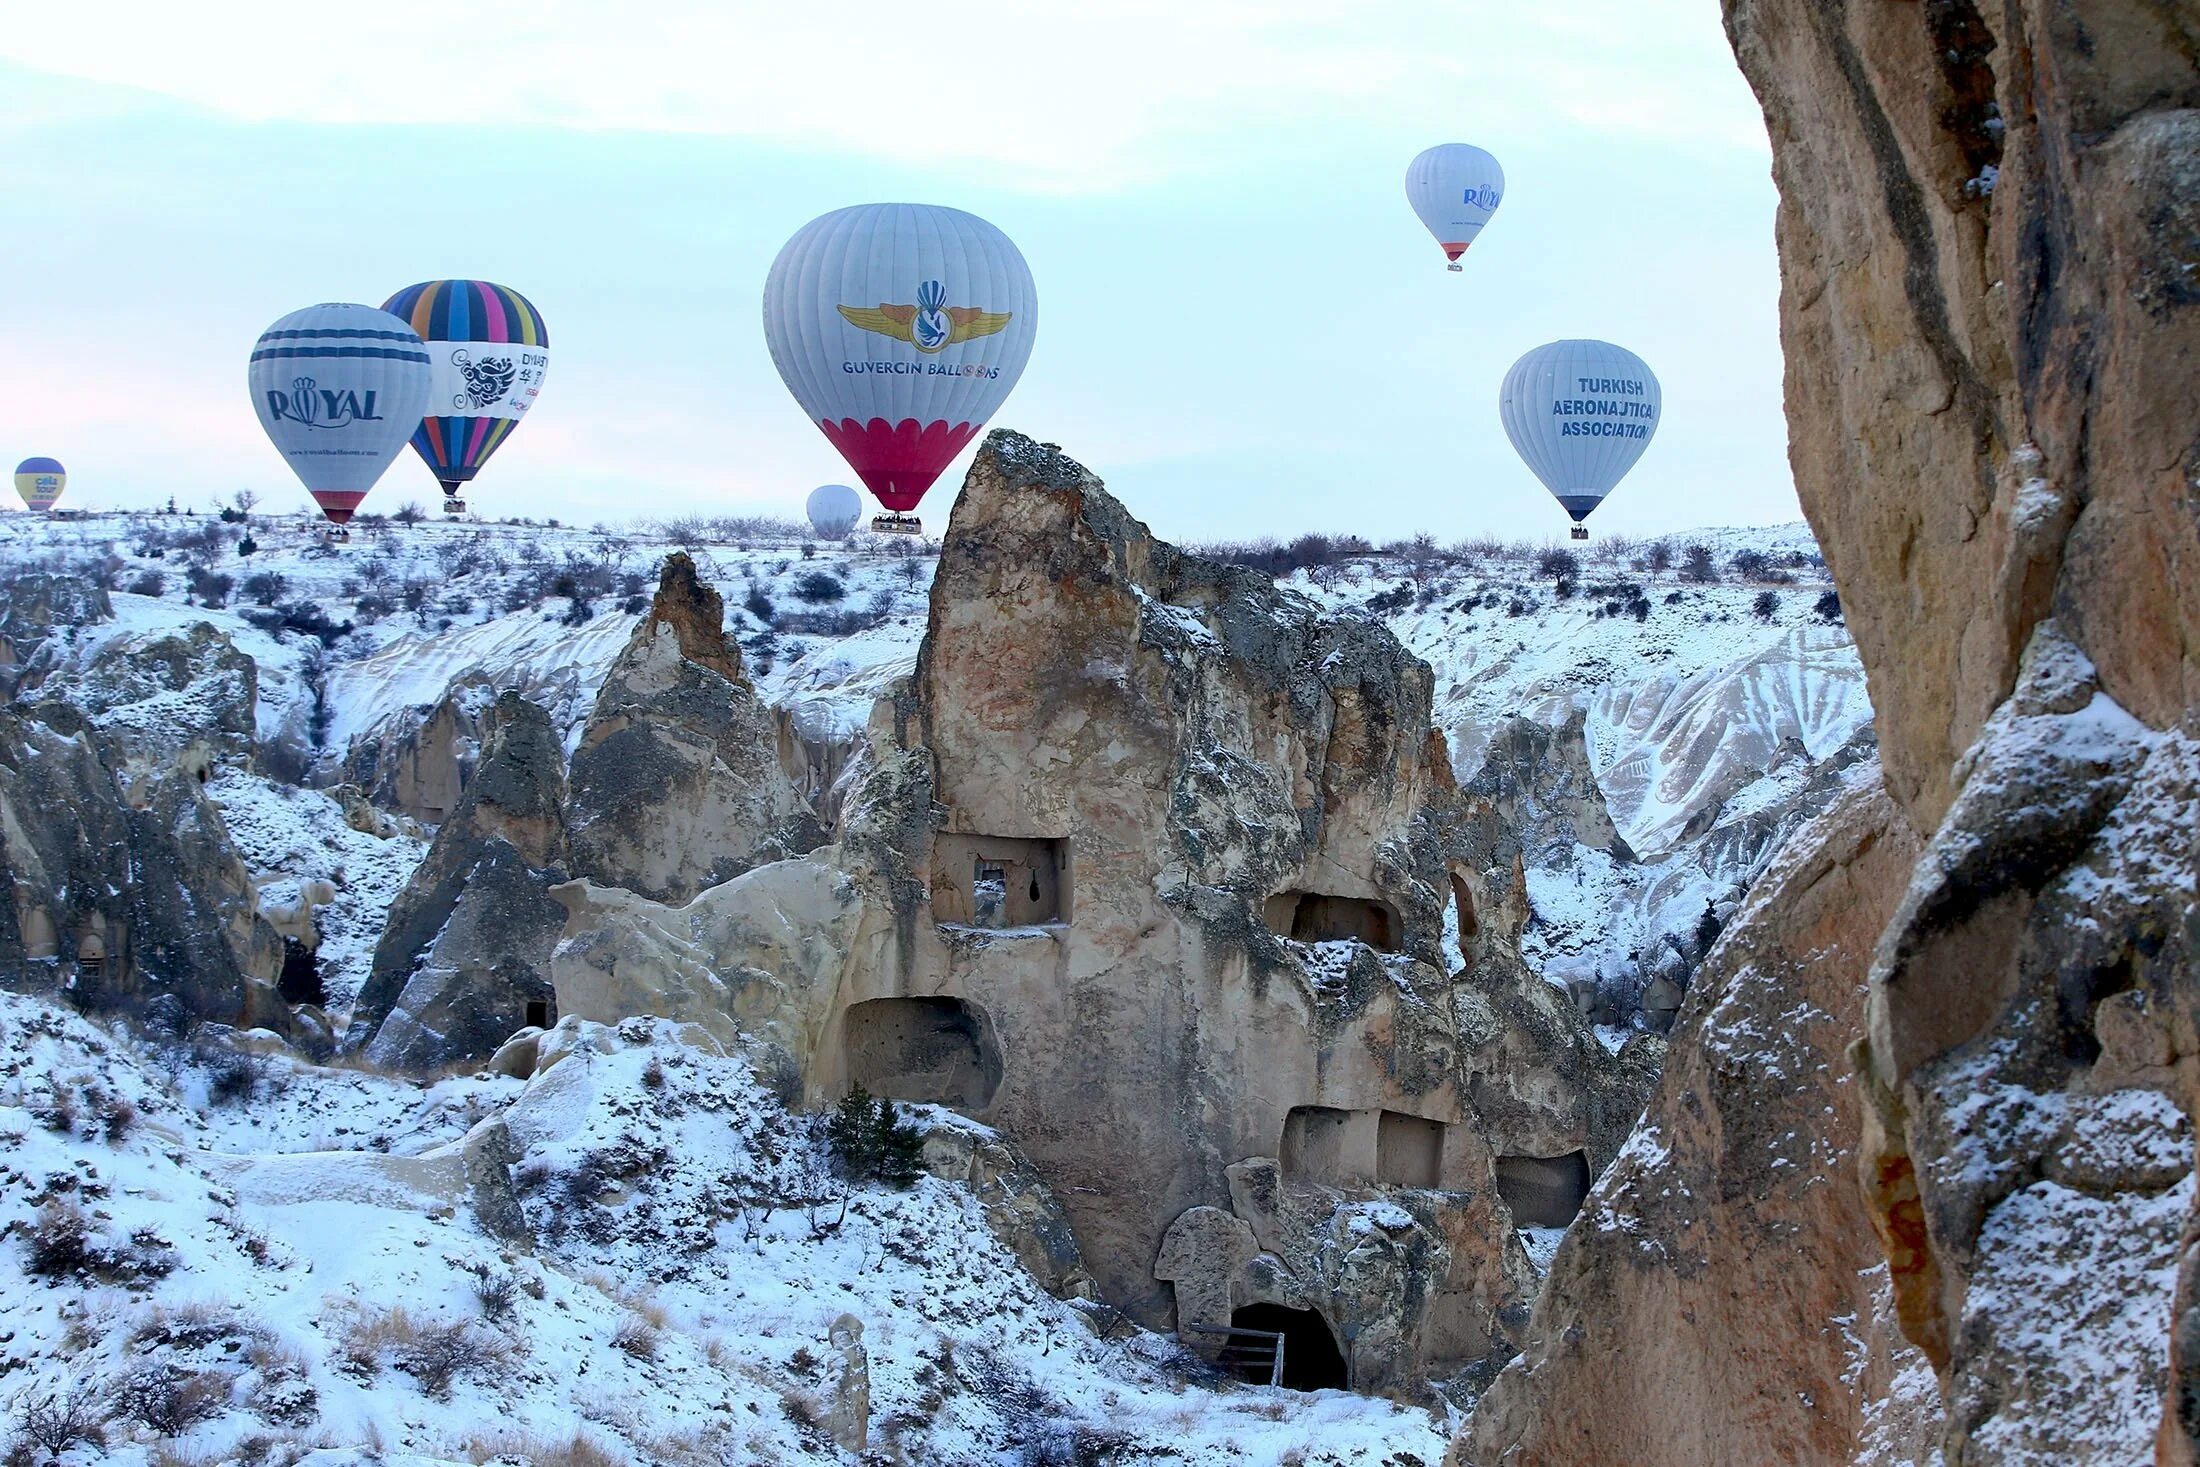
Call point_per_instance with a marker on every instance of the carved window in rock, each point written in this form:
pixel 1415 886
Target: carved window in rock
pixel 538 1013
pixel 934 1050
pixel 1000 881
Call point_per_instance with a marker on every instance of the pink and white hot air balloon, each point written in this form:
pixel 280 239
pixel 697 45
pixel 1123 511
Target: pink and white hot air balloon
pixel 900 329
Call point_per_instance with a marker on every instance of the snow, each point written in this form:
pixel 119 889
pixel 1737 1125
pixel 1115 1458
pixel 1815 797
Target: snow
pixel 677 1308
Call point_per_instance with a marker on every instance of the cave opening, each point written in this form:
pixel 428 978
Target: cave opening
pixel 1543 1191
pixel 300 980
pixel 538 1013
pixel 1312 916
pixel 1311 1359
pixel 937 1051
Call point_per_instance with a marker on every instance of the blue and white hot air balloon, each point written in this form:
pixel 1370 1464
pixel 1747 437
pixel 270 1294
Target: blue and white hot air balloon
pixel 1455 188
pixel 834 510
pixel 1579 413
pixel 340 390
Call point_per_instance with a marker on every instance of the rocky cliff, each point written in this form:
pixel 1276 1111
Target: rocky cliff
pixel 1151 868
pixel 1989 229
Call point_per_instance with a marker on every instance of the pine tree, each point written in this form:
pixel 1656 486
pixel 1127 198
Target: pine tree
pixel 871 1143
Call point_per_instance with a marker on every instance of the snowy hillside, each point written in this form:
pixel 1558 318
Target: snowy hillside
pixel 228 1258
pixel 1715 687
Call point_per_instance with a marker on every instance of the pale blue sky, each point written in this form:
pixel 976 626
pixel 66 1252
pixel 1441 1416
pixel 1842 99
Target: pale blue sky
pixel 1243 328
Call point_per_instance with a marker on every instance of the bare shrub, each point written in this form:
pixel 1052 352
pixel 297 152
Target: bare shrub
pixel 55 1420
pixel 636 1337
pixel 497 1291
pixel 170 1399
pixel 442 1354
pixel 60 1242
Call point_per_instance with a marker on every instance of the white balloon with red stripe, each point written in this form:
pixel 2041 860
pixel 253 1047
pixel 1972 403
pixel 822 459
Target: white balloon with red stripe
pixel 1455 188
pixel 339 389
pixel 900 329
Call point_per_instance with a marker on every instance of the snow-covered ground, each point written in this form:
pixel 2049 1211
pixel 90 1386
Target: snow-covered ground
pixel 298 1267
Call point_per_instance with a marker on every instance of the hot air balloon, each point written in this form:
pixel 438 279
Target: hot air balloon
pixel 834 510
pixel 490 352
pixel 339 388
pixel 40 482
pixel 1455 188
pixel 1579 413
pixel 900 329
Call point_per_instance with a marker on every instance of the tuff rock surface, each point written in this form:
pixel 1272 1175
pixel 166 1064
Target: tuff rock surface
pixel 676 784
pixel 1149 868
pixel 467 946
pixel 1989 229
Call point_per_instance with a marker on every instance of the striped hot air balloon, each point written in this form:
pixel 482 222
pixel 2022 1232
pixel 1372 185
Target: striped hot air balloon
pixel 490 352
pixel 40 482
pixel 899 328
pixel 339 388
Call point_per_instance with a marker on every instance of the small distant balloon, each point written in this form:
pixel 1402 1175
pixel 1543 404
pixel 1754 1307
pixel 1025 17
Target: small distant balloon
pixel 900 329
pixel 1579 413
pixel 490 353
pixel 40 482
pixel 834 510
pixel 1455 188
pixel 339 389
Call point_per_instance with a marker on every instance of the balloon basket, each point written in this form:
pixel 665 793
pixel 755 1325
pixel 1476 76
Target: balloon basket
pixel 1581 532
pixel 896 524
pixel 1456 268
pixel 454 507
pixel 337 535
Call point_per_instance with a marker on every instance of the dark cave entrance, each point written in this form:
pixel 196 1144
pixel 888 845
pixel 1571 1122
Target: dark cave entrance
pixel 300 981
pixel 1312 916
pixel 1543 1191
pixel 1311 1359
pixel 538 1013
pixel 933 1050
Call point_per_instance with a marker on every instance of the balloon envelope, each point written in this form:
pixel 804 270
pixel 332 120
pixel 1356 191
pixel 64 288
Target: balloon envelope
pixel 1579 413
pixel 489 352
pixel 339 388
pixel 900 329
pixel 834 510
pixel 1455 188
pixel 40 482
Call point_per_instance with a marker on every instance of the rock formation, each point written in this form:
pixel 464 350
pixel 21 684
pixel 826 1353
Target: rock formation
pixel 1988 230
pixel 139 904
pixel 1699 1289
pixel 677 783
pixel 464 960
pixel 1150 869
pixel 33 607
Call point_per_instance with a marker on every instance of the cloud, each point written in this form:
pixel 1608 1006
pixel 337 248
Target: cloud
pixel 1051 98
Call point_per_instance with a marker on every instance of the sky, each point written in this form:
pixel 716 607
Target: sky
pixel 1244 330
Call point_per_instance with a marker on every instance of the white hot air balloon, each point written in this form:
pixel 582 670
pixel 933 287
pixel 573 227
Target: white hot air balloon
pixel 900 329
pixel 339 389
pixel 834 510
pixel 1579 413
pixel 1455 188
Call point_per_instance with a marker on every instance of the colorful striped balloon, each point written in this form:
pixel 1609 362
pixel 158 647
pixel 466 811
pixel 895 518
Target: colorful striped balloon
pixel 40 482
pixel 490 352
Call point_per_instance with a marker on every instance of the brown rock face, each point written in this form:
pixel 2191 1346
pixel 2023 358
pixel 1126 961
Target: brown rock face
pixel 677 783
pixel 1689 1316
pixel 1990 241
pixel 1989 235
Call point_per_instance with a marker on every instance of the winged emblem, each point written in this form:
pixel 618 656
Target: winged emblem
pixel 931 324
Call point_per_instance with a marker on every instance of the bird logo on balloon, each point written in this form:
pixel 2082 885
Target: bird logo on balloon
pixel 486 380
pixel 931 325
